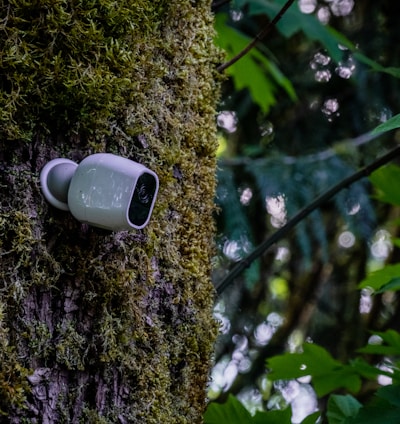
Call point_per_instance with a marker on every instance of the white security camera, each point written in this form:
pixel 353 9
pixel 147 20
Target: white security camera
pixel 104 190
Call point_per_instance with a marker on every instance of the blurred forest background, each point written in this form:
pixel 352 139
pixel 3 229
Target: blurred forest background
pixel 295 118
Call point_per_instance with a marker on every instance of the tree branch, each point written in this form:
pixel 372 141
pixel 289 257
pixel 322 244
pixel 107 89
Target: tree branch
pixel 338 146
pixel 318 202
pixel 262 34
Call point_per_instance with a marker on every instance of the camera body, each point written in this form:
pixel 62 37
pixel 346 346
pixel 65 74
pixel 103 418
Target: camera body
pixel 105 190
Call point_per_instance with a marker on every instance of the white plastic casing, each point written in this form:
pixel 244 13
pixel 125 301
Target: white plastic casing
pixel 112 192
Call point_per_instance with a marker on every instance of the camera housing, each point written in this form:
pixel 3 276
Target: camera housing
pixel 104 190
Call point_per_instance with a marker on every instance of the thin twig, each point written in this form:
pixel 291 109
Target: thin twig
pixel 319 201
pixel 342 145
pixel 262 34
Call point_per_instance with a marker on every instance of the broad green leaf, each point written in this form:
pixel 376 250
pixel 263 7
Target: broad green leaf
pixel 342 407
pixel 314 360
pixel 378 279
pixel 380 350
pixel 390 393
pixel 312 419
pixel 327 373
pixel 385 181
pixel 371 372
pixel 377 415
pixel 231 412
pixel 343 377
pixel 254 71
pixel 391 337
pixel 384 408
pixel 273 417
pixel 392 285
pixel 390 344
pixel 391 124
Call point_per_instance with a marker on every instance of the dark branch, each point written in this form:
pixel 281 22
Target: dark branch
pixel 318 202
pixel 260 36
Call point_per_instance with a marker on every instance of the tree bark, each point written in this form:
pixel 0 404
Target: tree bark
pixel 97 326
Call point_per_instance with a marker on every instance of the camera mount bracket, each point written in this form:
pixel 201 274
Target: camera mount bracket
pixel 55 179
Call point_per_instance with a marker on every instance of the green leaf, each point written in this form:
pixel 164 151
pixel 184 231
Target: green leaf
pixel 342 407
pixel 273 417
pixel 231 412
pixel 391 124
pixel 385 181
pixel 254 71
pixel 377 415
pixel 312 419
pixel 327 373
pixel 390 393
pixel 392 285
pixel 344 377
pixel 314 360
pixel 375 66
pixel 390 344
pixel 376 280
pixel 384 408
pixel 371 372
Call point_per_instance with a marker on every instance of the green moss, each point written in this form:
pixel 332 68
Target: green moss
pixel 40 341
pixel 68 65
pixel 71 347
pixel 13 384
pixel 93 417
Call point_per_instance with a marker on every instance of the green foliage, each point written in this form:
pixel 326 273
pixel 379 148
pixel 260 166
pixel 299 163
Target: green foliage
pixel 340 407
pixel 327 373
pixel 390 124
pixel 254 71
pixel 383 179
pixel 298 179
pixel 274 176
pixel 383 408
pixel 390 345
pixel 327 376
pixel 295 21
pixel 258 73
pixel 233 412
pixel 381 280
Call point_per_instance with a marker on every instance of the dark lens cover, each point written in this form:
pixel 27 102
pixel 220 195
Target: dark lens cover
pixel 142 199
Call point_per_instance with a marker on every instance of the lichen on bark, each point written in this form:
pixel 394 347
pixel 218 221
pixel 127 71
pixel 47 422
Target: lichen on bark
pixel 98 326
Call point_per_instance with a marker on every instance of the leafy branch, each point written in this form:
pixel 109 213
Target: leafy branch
pixel 260 36
pixel 302 214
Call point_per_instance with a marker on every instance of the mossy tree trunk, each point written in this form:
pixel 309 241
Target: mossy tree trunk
pixel 96 326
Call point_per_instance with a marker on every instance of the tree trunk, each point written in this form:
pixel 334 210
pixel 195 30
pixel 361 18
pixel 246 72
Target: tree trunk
pixel 99 326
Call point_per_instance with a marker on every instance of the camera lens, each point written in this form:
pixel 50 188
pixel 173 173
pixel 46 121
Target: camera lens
pixel 144 196
pixel 142 199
